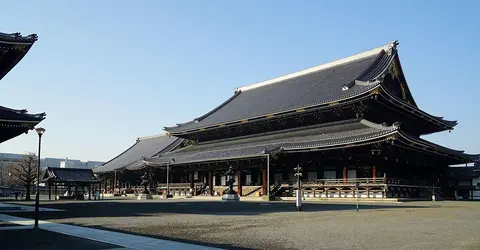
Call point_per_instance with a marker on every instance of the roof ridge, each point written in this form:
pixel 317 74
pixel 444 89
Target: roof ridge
pixel 348 59
pixel 151 136
pixel 381 126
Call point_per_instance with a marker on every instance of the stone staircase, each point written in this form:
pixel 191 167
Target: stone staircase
pixel 248 191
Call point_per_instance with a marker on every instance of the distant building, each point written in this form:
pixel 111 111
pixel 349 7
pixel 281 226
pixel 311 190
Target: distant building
pixel 7 158
pixel 465 181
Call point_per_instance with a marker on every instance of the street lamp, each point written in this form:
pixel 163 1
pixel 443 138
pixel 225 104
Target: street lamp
pixel 298 174
pixel 40 132
pixel 168 195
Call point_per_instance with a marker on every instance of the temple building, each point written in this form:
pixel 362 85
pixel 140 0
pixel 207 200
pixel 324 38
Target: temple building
pixel 118 177
pixel 14 122
pixel 349 121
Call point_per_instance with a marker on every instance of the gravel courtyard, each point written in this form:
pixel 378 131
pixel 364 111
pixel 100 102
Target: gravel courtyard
pixel 276 225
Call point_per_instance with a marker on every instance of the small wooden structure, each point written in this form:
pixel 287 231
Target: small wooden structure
pixel 78 178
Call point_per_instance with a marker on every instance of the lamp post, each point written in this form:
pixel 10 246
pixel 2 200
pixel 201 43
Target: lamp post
pixel 357 185
pixel 168 181
pixel 40 132
pixel 168 195
pixel 298 174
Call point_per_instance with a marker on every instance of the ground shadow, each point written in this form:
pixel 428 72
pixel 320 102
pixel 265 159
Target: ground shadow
pixel 115 208
pixel 133 208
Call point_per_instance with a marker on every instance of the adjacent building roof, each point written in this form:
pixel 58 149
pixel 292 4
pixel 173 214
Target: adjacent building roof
pixel 143 147
pixel 70 175
pixel 15 122
pixel 325 135
pixel 318 85
pixel 319 137
pixel 13 47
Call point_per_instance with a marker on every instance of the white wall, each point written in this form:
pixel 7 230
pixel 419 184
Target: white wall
pixel 332 174
pixel 475 182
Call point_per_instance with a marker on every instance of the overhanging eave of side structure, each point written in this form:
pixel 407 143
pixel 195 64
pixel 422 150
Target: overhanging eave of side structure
pixel 326 136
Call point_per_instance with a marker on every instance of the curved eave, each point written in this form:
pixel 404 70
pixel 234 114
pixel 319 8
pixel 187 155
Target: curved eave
pixel 434 149
pixel 17 38
pixel 20 44
pixel 438 121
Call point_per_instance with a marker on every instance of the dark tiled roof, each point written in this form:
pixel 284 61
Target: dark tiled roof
pixel 17 38
pixel 319 85
pixel 21 115
pixel 143 147
pixel 70 175
pixel 13 47
pixel 16 122
pixel 326 135
pixel 322 137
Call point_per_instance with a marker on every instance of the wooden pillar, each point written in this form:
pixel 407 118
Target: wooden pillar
pixel 374 173
pixel 264 181
pixel 192 182
pixel 49 190
pixel 104 188
pixel 345 172
pixel 89 191
pixel 210 182
pixel 239 182
pixel 56 185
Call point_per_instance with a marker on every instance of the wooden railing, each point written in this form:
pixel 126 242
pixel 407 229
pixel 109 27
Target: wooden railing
pixel 352 181
pixel 394 181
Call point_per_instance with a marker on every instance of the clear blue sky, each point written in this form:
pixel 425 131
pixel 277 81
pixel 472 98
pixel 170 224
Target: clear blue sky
pixel 107 72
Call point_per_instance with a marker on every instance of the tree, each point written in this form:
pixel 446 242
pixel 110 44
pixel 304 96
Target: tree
pixel 25 172
pixel 3 173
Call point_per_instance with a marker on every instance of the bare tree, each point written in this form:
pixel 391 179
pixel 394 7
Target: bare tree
pixel 25 172
pixel 3 175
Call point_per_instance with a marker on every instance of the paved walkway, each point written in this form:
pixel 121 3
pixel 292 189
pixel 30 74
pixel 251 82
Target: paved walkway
pixel 114 238
pixel 4 207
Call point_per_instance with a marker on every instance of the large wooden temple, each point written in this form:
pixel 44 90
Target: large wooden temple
pixel 14 122
pixel 348 121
